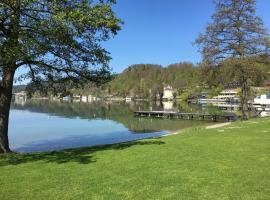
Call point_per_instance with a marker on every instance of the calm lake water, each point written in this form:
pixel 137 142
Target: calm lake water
pixel 41 125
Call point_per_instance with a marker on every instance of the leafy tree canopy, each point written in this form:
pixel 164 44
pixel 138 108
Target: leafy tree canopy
pixel 58 39
pixel 236 32
pixel 148 80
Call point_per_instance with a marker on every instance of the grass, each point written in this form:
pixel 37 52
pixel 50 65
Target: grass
pixel 231 162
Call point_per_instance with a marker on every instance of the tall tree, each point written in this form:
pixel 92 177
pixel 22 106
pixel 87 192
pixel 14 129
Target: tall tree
pixel 235 32
pixel 56 40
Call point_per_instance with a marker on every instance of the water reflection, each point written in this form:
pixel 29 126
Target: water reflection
pixel 43 125
pixel 117 111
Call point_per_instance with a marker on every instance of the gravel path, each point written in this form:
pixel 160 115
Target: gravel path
pixel 218 125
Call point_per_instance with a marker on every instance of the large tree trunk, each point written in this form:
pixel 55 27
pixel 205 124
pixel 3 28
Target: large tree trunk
pixel 9 55
pixel 244 100
pixel 5 100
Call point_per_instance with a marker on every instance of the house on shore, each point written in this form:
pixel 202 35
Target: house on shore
pixel 263 99
pixel 67 98
pixel 168 93
pixel 228 95
pixel 168 106
pixel 80 98
pixel 84 98
pixel 128 98
pixel 20 95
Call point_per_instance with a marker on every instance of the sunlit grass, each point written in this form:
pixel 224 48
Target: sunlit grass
pixel 226 163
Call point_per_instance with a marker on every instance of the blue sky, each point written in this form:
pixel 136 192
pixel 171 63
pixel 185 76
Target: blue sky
pixel 162 31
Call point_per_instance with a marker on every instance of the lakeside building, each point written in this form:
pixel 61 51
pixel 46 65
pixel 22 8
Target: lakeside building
pixel 229 106
pixel 20 95
pixel 84 98
pixel 67 98
pixel 168 93
pixel 80 98
pixel 20 98
pixel 228 95
pixel 128 99
pixel 264 99
pixel 168 106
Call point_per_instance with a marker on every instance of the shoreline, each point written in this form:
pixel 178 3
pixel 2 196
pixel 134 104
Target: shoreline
pixel 219 125
pixel 170 133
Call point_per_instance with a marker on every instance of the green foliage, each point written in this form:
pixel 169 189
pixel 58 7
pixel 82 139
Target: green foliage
pixel 180 75
pixel 143 81
pixel 235 31
pixel 147 80
pixel 185 95
pixel 261 91
pixel 190 93
pixel 208 75
pixel 57 40
pixel 236 34
pixel 255 69
pixel 215 91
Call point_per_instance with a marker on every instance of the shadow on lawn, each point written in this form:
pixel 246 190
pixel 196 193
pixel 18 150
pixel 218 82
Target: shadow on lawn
pixel 82 155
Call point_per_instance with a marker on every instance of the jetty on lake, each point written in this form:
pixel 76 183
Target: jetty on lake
pixel 187 116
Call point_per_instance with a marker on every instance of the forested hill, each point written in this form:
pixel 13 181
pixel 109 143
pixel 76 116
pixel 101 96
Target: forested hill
pixel 148 80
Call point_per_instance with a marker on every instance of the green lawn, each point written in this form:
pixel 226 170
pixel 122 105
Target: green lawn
pixel 232 162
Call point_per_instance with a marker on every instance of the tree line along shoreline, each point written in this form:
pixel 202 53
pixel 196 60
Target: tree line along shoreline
pixel 147 82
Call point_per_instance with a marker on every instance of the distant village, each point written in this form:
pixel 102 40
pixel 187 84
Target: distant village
pixel 227 99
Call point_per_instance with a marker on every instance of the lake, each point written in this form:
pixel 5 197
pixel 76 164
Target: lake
pixel 43 125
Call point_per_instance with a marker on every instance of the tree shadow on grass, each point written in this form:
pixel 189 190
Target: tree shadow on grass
pixel 84 155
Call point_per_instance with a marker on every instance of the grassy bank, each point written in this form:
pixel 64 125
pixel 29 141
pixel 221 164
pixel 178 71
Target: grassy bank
pixel 226 163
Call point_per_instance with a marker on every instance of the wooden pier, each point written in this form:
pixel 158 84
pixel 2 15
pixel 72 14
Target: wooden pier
pixel 187 116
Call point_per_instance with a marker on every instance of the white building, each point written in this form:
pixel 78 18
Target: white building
pixel 84 98
pixel 228 95
pixel 264 99
pixel 168 106
pixel 67 98
pixel 168 92
pixel 128 99
pixel 20 96
pixel 92 98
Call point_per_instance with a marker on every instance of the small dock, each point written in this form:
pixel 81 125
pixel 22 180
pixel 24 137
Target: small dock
pixel 186 116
